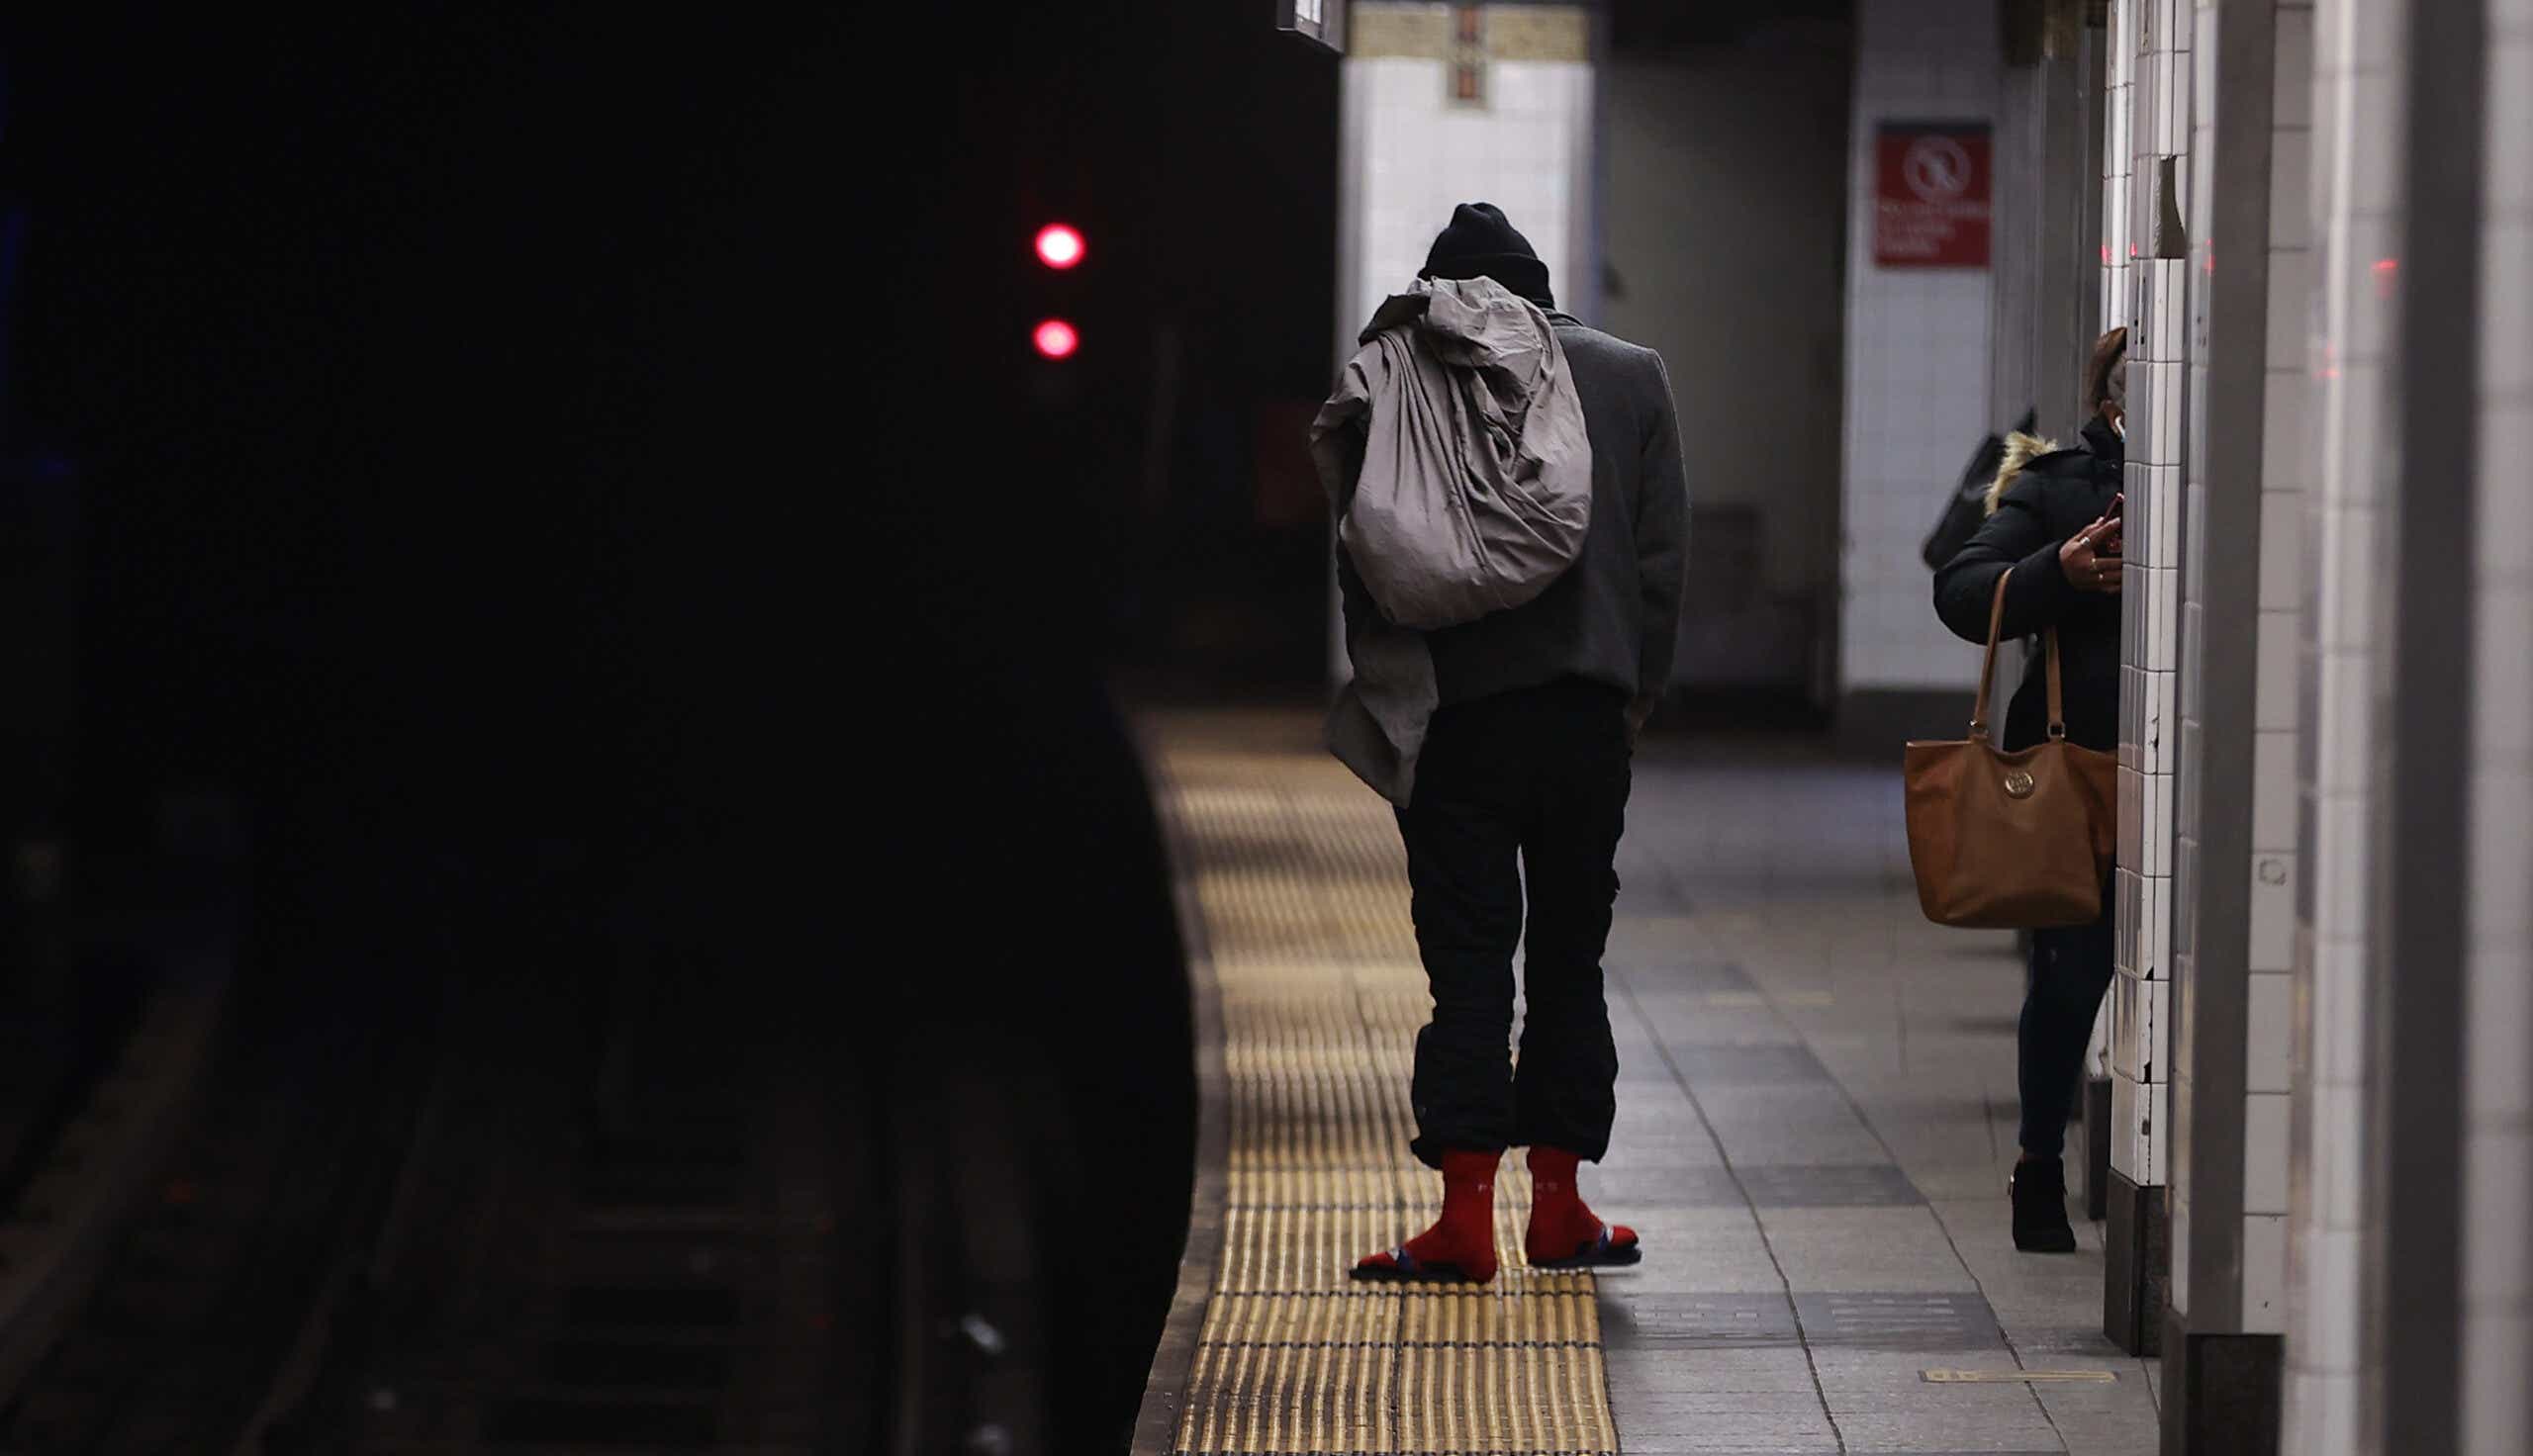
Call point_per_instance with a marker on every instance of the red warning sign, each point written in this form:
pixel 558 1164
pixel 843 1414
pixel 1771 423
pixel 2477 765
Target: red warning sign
pixel 1931 195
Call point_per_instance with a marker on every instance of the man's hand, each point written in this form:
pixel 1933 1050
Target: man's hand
pixel 2091 557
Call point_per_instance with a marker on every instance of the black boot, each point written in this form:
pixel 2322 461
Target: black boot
pixel 2039 1193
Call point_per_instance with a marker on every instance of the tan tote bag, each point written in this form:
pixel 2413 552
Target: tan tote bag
pixel 2011 841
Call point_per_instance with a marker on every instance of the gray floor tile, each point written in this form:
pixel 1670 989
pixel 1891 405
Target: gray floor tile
pixel 1736 1431
pixel 1844 1369
pixel 1778 1370
pixel 1651 1320
pixel 1859 1249
pixel 1745 1067
pixel 1677 1408
pixel 1795 1123
pixel 1854 1063
pixel 1798 1186
pixel 1617 1193
pixel 1923 1319
pixel 1672 975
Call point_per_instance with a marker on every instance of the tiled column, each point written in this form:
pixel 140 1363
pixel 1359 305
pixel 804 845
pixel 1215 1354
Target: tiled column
pixel 2233 868
pixel 1411 146
pixel 2154 272
pixel 2497 999
pixel 2354 212
pixel 2276 873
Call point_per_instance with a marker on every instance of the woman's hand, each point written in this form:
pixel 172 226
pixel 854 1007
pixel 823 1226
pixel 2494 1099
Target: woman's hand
pixel 2091 557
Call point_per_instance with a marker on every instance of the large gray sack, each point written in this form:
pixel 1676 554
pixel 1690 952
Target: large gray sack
pixel 1475 489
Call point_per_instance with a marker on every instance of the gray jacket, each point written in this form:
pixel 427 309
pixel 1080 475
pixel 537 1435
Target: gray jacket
pixel 1613 617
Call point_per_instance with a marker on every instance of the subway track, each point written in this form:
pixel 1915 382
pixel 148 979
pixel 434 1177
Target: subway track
pixel 574 1197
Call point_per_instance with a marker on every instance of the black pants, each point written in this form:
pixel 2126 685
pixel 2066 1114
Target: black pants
pixel 2062 993
pixel 1523 791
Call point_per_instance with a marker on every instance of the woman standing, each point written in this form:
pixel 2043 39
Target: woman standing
pixel 2053 522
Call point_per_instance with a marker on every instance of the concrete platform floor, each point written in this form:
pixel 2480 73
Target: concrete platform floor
pixel 1816 1120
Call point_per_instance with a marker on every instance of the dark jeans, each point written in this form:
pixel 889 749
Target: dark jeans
pixel 1524 790
pixel 2069 972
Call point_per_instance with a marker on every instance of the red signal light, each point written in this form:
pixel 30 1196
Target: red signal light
pixel 1058 246
pixel 1055 339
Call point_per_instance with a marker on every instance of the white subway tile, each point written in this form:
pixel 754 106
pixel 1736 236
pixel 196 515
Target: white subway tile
pixel 2168 290
pixel 2507 130
pixel 2340 897
pixel 2270 1035
pixel 2503 676
pixel 2376 45
pixel 2155 825
pixel 2289 287
pixel 2339 1019
pixel 2336 1270
pixel 2138 1125
pixel 2127 1148
pixel 2127 895
pixel 2265 1140
pixel 2131 1004
pixel 2497 1028
pixel 2158 721
pixel 2161 627
pixel 2282 547
pixel 2274 790
pixel 2172 97
pixel 2374 145
pixel 2274 687
pixel 2498 1188
pixel 2273 912
pixel 2288 418
pixel 2349 621
pixel 2265 1274
pixel 2291 204
pixel 2339 1158
pixel 2506 309
pixel 2154 928
pixel 2497 1349
pixel 2203 70
pixel 2291 94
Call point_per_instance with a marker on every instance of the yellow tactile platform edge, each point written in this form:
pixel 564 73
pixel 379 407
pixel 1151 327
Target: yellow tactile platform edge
pixel 1299 878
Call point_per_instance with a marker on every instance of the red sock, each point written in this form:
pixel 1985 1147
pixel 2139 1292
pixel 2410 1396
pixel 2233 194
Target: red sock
pixel 1463 1238
pixel 1562 1226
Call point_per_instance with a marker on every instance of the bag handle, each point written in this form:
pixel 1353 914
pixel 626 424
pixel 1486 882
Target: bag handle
pixel 2057 699
pixel 1987 663
pixel 1988 669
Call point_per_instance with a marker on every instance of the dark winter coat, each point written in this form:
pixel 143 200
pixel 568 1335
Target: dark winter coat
pixel 2048 499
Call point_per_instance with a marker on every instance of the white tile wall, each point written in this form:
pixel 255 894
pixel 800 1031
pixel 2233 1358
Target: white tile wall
pixel 2353 210
pixel 2269 1065
pixel 2273 912
pixel 2265 1272
pixel 2498 1071
pixel 1420 155
pixel 2265 1155
pixel 1916 389
pixel 2273 790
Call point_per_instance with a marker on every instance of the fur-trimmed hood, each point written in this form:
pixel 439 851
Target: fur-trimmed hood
pixel 2020 450
pixel 2026 452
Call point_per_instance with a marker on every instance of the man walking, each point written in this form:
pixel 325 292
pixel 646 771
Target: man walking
pixel 1518 789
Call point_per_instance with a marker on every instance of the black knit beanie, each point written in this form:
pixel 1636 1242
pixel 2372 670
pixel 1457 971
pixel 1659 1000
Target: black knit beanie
pixel 1480 244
